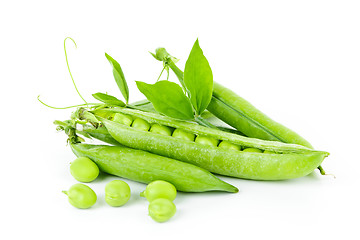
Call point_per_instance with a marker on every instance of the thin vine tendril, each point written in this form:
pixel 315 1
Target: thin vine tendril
pixel 67 63
pixel 80 105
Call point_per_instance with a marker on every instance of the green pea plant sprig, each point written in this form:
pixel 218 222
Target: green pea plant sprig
pixel 190 100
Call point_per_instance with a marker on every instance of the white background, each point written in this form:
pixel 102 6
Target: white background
pixel 297 61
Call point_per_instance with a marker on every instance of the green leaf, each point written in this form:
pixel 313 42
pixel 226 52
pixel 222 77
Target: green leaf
pixel 167 98
pixel 119 77
pixel 198 79
pixel 108 99
pixel 154 55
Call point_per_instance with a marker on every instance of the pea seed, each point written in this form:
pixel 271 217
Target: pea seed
pixel 268 152
pixel 81 196
pixel 141 124
pixel 117 193
pixel 84 170
pixel 159 189
pixel 228 145
pixel 123 119
pixel 178 133
pixel 256 150
pixel 162 209
pixel 160 129
pixel 207 141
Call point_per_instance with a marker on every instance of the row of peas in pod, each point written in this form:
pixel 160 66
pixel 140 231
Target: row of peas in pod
pixel 160 194
pixel 143 125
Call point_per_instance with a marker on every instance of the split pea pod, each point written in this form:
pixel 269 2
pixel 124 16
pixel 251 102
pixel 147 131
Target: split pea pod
pixel 146 167
pixel 284 162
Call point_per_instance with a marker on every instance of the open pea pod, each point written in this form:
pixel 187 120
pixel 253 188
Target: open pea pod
pixel 274 161
pixel 146 167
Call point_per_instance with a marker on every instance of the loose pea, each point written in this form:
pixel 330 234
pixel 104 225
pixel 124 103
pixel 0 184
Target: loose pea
pixel 141 124
pixel 81 196
pixel 117 193
pixel 160 129
pixel 252 150
pixel 178 133
pixel 207 141
pixel 123 119
pixel 161 209
pixel 84 170
pixel 159 189
pixel 228 145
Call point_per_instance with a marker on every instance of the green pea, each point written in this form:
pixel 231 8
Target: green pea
pixel 252 150
pixel 161 209
pixel 159 189
pixel 229 145
pixel 160 129
pixel 268 152
pixel 141 124
pixel 81 196
pixel 123 119
pixel 207 141
pixel 117 193
pixel 178 133
pixel 84 170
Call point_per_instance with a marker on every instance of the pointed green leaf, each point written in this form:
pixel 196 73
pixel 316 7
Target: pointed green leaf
pixel 119 77
pixel 167 98
pixel 108 99
pixel 198 79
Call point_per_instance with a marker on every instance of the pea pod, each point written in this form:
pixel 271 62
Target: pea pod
pixel 287 161
pixel 146 167
pixel 240 114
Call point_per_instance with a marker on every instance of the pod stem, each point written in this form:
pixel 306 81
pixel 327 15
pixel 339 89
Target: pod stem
pixel 65 192
pixel 322 171
pixel 142 194
pixel 204 122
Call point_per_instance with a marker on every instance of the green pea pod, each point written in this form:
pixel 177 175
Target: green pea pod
pixel 100 133
pixel 240 114
pixel 146 167
pixel 287 161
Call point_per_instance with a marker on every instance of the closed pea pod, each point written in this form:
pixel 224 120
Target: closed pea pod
pixel 146 167
pixel 240 114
